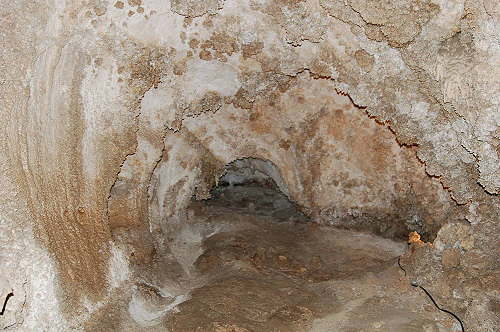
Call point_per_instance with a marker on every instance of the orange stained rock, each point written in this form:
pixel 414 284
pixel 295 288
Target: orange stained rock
pixel 414 238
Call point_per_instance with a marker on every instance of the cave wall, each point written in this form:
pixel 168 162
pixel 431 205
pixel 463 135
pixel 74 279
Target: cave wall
pixel 115 113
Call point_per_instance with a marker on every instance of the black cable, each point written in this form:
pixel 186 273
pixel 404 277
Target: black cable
pixel 5 303
pixel 400 266
pixel 414 284
pixel 444 310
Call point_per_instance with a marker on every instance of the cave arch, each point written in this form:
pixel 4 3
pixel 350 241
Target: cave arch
pixel 255 186
pixel 251 169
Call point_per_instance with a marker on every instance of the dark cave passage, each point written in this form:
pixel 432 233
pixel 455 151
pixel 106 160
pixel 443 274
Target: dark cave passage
pixel 252 186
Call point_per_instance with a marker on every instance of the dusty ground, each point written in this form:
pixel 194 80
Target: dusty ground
pixel 248 261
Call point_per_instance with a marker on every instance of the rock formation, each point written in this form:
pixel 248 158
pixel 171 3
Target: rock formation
pixel 379 116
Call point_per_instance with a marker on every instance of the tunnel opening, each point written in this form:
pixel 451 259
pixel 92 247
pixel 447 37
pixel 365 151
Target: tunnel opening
pixel 255 186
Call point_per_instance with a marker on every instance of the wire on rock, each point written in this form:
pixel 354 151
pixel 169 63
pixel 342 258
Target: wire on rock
pixel 400 266
pixel 415 284
pixel 439 308
pixel 5 302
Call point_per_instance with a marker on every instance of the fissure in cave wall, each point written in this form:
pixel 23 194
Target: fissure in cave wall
pixel 116 112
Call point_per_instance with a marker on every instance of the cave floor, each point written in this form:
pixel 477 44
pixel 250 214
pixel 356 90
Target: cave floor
pixel 262 269
pixel 248 261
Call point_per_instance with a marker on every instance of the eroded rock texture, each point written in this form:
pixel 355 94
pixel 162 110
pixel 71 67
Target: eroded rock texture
pixel 380 116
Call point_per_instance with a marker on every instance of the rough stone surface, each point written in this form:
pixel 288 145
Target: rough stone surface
pixel 380 115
